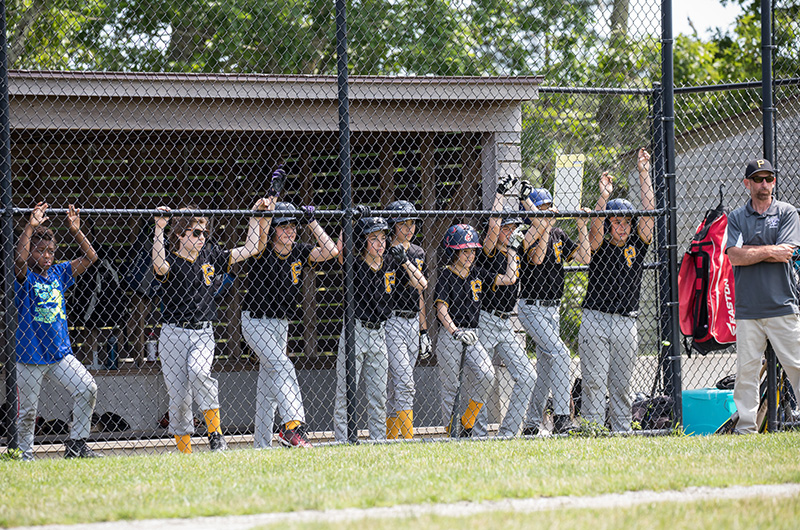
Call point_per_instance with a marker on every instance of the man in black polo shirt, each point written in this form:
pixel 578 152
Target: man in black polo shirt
pixel 762 236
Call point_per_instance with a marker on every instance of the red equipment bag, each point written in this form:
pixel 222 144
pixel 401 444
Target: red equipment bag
pixel 706 295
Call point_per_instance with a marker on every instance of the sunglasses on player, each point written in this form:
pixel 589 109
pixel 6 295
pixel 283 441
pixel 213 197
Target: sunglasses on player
pixel 197 232
pixel 759 179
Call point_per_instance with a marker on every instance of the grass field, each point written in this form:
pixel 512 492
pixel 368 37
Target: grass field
pixel 248 481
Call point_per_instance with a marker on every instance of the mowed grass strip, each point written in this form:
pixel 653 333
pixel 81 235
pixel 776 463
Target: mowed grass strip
pixel 248 481
pixel 775 514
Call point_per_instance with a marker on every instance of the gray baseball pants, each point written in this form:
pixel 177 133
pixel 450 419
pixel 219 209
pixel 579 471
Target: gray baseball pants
pixel 478 372
pixel 72 375
pixel 371 357
pixel 402 344
pixel 552 360
pixel 186 359
pixel 277 385
pixel 607 345
pixel 497 336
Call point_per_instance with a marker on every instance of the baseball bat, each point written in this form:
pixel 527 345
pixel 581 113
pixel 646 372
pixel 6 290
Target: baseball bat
pixel 454 429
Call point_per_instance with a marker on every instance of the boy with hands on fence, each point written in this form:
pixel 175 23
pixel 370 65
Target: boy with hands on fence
pixel 406 329
pixel 274 290
pixel 186 342
pixel 460 289
pixel 374 281
pixel 500 255
pixel 608 337
pixel 43 345
pixel 547 249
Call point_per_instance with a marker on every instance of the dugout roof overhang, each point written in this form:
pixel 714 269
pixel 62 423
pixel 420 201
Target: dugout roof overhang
pixel 47 100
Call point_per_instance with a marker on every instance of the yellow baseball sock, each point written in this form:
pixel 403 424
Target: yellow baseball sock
pixel 184 442
pixel 290 425
pixel 212 420
pixel 406 423
pixel 392 427
pixel 471 414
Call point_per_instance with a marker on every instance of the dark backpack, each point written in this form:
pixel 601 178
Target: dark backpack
pixel 99 298
pixel 706 295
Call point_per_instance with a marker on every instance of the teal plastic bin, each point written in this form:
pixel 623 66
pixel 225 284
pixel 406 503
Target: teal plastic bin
pixel 705 409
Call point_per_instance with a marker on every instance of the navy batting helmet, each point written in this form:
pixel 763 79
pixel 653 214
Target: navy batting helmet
pixel 540 196
pixel 461 236
pixel 621 207
pixel 405 212
pixel 364 227
pixel 458 237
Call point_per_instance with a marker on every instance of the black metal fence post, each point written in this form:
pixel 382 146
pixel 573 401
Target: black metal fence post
pixel 668 120
pixel 768 127
pixel 664 371
pixel 7 357
pixel 347 203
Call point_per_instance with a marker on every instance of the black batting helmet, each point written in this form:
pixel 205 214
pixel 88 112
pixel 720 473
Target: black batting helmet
pixel 285 218
pixel 405 212
pixel 364 227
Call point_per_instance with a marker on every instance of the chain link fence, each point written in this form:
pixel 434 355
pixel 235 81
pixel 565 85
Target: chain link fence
pixel 235 323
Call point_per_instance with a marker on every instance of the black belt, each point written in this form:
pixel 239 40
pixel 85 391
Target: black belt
pixel 406 314
pixel 257 315
pixel 188 324
pixel 543 303
pixel 371 325
pixel 501 314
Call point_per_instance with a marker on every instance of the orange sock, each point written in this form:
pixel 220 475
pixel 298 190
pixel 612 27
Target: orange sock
pixel 212 420
pixel 392 427
pixel 291 425
pixel 406 423
pixel 184 442
pixel 471 414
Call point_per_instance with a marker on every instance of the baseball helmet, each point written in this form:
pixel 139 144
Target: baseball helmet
pixel 540 196
pixel 364 227
pixel 622 207
pixel 285 218
pixel 511 218
pixel 405 212
pixel 459 237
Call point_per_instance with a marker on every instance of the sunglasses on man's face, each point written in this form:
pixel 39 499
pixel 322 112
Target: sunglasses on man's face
pixel 759 180
pixel 197 232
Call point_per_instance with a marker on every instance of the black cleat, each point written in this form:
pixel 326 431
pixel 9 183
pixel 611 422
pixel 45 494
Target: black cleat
pixel 562 424
pixel 530 431
pixel 79 449
pixel 216 442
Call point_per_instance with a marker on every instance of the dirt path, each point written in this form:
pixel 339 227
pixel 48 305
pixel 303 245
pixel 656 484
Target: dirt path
pixel 459 509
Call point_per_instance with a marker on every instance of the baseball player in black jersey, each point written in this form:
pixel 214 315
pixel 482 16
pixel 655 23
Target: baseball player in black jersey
pixel 406 329
pixel 374 285
pixel 547 249
pixel 460 288
pixel 608 337
pixel 274 291
pixel 186 341
pixel 495 331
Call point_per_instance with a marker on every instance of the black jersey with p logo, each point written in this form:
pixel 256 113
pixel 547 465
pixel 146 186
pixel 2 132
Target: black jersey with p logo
pixel 274 282
pixel 189 286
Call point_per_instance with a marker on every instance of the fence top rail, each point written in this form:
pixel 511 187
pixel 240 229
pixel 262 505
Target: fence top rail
pixel 342 213
pixel 596 90
pixel 729 86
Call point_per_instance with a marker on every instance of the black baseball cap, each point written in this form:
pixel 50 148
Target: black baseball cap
pixel 757 166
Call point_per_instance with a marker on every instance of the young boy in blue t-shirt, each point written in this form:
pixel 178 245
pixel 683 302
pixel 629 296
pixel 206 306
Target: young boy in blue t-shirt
pixel 43 346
